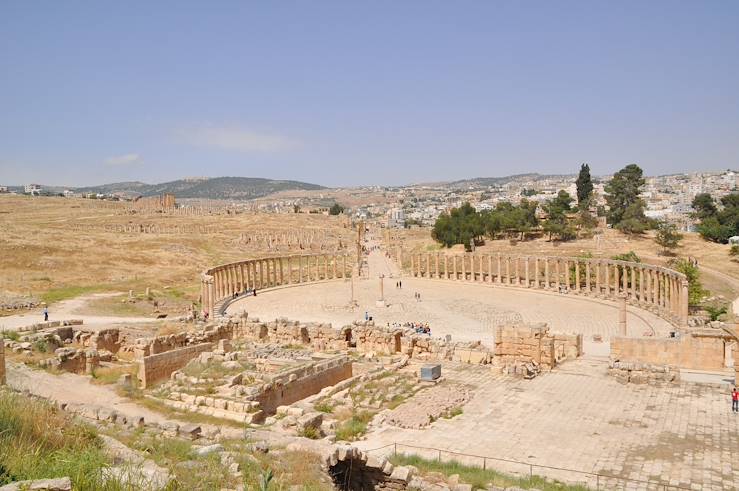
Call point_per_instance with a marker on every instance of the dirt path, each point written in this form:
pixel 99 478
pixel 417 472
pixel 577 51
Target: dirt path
pixel 65 310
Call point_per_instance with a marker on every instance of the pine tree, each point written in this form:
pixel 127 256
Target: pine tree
pixel 584 186
pixel 624 203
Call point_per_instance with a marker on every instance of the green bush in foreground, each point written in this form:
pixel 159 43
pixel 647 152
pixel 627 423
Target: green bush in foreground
pixel 480 478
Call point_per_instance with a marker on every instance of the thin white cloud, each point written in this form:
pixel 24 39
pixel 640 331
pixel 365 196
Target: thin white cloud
pixel 128 159
pixel 235 138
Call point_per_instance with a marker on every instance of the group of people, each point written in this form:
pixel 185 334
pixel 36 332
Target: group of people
pixel 246 293
pixel 419 327
pixel 398 284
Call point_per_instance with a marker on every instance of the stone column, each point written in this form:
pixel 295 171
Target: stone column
pixel 343 267
pixel 622 314
pixel 490 268
pixel 577 275
pixel 641 284
pixel 243 276
pixel 625 280
pixel 508 269
pixel 413 271
pixel 454 266
pixel 289 270
pixel 547 285
pixel 428 265
pixel 616 280
pixel 597 265
pixel 282 271
pixel 537 280
pixel 446 266
pixel 587 276
pixel 633 282
pixel 517 271
pixel 684 298
pixel 436 265
pixel 464 268
pixel 211 298
pixel 657 293
pixel 499 279
pixel 526 271
pixel 418 264
pixel 261 274
pixel 382 289
pixel 557 274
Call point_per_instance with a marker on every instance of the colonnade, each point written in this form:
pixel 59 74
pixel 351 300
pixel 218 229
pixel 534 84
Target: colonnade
pixel 223 281
pixel 661 290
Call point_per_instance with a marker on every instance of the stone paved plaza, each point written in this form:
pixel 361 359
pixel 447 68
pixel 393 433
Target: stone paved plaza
pixel 579 418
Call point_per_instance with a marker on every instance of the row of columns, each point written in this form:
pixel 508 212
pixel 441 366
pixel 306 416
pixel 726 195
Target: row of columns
pixel 650 286
pixel 223 281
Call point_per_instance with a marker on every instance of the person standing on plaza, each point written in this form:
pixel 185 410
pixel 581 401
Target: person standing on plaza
pixel 46 313
pixel 735 400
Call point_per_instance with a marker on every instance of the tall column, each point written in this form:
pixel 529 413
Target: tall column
pixel 243 276
pixel 464 268
pixel 587 265
pixel 633 282
pixel 446 266
pixel 684 300
pixel 557 274
pixel 436 265
pixel 499 279
pixel 641 284
pixel 508 269
pixel 282 271
pixel 657 293
pixel 454 266
pixel 517 272
pixel 625 280
pixel 289 267
pixel 211 298
pixel 428 265
pixel 526 271
pixel 598 268
pixel 547 285
pixel 334 260
pixel 343 267
pixel 482 272
pixel 413 271
pixel 622 314
pixel 616 280
pixel 490 268
pixel 577 275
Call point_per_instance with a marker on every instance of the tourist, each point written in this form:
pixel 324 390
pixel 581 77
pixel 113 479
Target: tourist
pixel 400 284
pixel 735 400
pixel 46 314
pixel 254 292
pixel 366 315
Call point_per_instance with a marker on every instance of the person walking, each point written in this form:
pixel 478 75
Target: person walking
pixel 735 400
pixel 46 314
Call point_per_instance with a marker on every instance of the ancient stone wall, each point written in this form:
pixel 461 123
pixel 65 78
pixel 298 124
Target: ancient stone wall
pixel 301 382
pixel 535 344
pixel 643 373
pixel 701 350
pixel 154 368
pixel 161 344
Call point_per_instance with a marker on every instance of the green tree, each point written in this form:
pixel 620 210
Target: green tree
pixel 461 226
pixel 624 203
pixel 584 186
pixel 336 209
pixel 704 206
pixel 696 292
pixel 668 237
pixel 556 222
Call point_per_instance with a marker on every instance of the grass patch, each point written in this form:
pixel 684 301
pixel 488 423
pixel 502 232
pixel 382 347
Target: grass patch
pixel 455 411
pixel 481 478
pixel 355 426
pixel 310 432
pixel 111 375
pixel 67 292
pixel 12 335
pixel 37 442
pixel 325 406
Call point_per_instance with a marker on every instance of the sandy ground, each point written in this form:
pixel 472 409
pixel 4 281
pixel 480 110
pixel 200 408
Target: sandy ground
pixel 465 311
pixel 67 310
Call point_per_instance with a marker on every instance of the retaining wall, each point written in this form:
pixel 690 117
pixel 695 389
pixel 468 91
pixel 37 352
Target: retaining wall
pixel 702 350
pixel 158 367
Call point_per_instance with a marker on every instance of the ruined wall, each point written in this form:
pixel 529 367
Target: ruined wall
pixel 160 366
pixel 535 344
pixel 643 373
pixel 161 344
pixel 696 351
pixel 2 362
pixel 301 382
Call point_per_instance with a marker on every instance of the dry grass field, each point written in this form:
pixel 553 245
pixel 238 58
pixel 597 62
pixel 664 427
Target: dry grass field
pixel 44 254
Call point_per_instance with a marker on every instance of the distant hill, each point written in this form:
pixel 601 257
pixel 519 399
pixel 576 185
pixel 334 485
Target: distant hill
pixel 234 188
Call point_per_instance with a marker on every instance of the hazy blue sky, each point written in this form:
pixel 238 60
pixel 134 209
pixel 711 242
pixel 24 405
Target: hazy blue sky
pixel 372 92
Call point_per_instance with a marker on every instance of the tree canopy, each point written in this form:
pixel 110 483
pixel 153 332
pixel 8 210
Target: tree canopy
pixel 717 225
pixel 584 186
pixel 625 207
pixel 336 209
